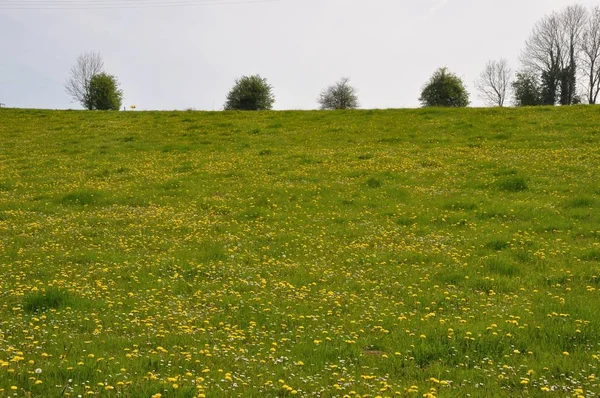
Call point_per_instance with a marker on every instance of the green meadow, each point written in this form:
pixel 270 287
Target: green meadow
pixel 412 253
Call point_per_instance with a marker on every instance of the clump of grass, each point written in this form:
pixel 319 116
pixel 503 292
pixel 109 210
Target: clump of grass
pixel 251 214
pixel 487 285
pixel 265 152
pixel 81 198
pixel 457 206
pixel 502 136
pixel 6 186
pixel 374 183
pixel 502 267
pixel 506 172
pixel 513 184
pixel 406 221
pixel 592 255
pixel 497 244
pixel 451 277
pixel 430 164
pixel 51 298
pixel 579 203
pixel 171 185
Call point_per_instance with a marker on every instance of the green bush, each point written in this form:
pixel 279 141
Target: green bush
pixel 105 94
pixel 250 93
pixel 444 89
pixel 339 96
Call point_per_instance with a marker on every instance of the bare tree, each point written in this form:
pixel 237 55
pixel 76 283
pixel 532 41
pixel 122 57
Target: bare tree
pixel 78 84
pixel 552 52
pixel 590 53
pixel 572 20
pixel 543 55
pixel 339 96
pixel 494 82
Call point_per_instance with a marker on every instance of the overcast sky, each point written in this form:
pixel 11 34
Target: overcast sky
pixel 189 57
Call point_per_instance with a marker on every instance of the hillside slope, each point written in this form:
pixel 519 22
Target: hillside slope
pixel 449 252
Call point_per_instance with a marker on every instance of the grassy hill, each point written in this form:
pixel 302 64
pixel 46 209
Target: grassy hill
pixel 357 253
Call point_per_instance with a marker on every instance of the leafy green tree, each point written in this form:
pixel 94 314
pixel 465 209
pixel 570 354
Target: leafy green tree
pixel 444 89
pixel 549 87
pixel 105 93
pixel 527 90
pixel 339 96
pixel 250 93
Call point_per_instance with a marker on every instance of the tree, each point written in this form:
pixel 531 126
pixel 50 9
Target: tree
pixel 543 55
pixel 552 51
pixel 572 20
pixel 250 93
pixel 105 93
pixel 494 82
pixel 444 89
pixel 590 50
pixel 527 90
pixel 78 83
pixel 339 96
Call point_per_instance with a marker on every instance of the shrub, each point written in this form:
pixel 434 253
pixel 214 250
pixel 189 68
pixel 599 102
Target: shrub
pixel 339 96
pixel 444 89
pixel 105 94
pixel 250 93
pixel 527 90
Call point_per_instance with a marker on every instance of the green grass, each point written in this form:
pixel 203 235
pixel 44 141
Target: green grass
pixel 50 299
pixel 357 253
pixel 513 184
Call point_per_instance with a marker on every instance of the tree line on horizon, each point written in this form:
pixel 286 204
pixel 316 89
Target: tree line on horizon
pixel 560 64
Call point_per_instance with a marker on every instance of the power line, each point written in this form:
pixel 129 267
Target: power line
pixel 122 4
pixel 113 4
pixel 86 3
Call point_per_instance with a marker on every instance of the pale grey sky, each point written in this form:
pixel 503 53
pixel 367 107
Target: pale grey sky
pixel 189 57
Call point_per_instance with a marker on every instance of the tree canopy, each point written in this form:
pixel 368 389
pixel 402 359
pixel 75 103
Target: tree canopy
pixel 105 93
pixel 341 95
pixel 250 93
pixel 527 90
pixel 444 89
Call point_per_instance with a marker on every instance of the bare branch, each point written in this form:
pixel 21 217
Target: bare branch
pixel 78 84
pixel 573 20
pixel 494 82
pixel 544 49
pixel 552 52
pixel 339 96
pixel 590 55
